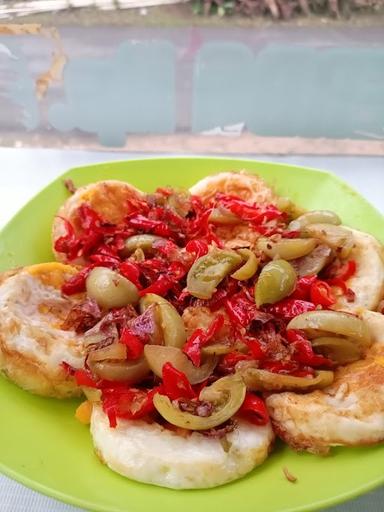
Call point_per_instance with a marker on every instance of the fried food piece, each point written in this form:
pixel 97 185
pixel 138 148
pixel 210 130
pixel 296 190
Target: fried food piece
pixel 110 199
pixel 150 453
pixel 368 282
pixel 32 342
pixel 248 187
pixel 350 412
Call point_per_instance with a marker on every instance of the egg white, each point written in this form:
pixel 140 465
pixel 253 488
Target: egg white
pixel 368 282
pixel 155 455
pixel 32 343
pixel 245 185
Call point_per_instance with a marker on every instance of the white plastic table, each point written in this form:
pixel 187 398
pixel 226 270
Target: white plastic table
pixel 23 172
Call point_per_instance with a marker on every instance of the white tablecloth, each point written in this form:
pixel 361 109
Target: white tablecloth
pixel 24 172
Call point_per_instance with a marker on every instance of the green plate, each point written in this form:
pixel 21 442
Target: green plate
pixel 44 447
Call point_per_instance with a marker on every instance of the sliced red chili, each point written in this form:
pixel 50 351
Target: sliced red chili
pixel 347 270
pixel 254 213
pixel 68 243
pixel 197 247
pixel 158 227
pixel 322 295
pixel 128 403
pixel 304 353
pixel 289 308
pixel 104 260
pixel 89 219
pixel 161 286
pixel 255 348
pixel 254 409
pixel 85 378
pixel 199 338
pixel 339 283
pixel 283 367
pixel 240 309
pixel 131 271
pixel 76 284
pixel 229 361
pixel 165 282
pixel 135 347
pixel 303 288
pixel 175 383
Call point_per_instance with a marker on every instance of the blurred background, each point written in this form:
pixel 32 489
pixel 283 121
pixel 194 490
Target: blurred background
pixel 200 76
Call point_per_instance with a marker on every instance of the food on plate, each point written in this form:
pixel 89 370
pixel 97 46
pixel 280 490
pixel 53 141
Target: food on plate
pixel 349 412
pixel 110 200
pixel 157 455
pixel 34 340
pixel 368 279
pixel 200 313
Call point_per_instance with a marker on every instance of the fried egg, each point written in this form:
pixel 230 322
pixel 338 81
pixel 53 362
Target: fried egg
pixel 350 412
pixel 368 282
pixel 32 343
pixel 248 187
pixel 152 454
pixel 108 198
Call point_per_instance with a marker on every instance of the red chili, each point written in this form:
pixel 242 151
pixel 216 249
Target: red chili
pixel 175 383
pixel 161 286
pixel 157 227
pixel 339 283
pixel 249 212
pixel 85 378
pixel 104 260
pixel 131 271
pixel 347 270
pixel 134 346
pixel 199 338
pixel 303 288
pixel 289 308
pixel 254 409
pixel 321 294
pixel 256 349
pixel 128 403
pixel 198 227
pixel 76 284
pixel 229 361
pixel 165 282
pixel 197 247
pixel 283 367
pixel 68 243
pixel 240 309
pixel 167 248
pixel 303 350
pixel 89 219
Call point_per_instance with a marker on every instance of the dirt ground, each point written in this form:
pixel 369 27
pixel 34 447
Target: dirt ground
pixel 181 15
